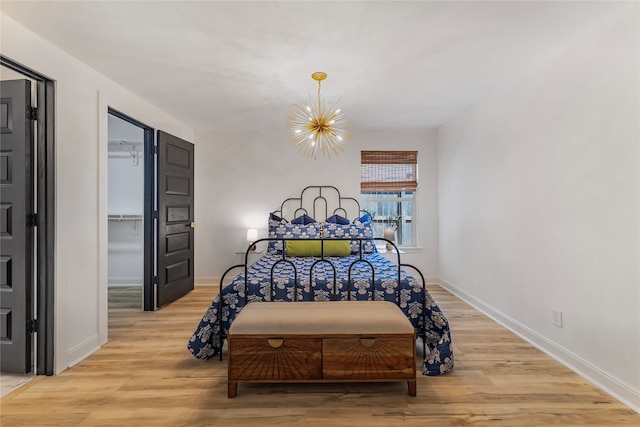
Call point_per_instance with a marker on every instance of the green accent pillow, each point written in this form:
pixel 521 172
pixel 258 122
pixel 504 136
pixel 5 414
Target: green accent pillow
pixel 313 248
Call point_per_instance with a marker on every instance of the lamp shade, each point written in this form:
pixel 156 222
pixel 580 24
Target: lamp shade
pixel 252 234
pixel 390 234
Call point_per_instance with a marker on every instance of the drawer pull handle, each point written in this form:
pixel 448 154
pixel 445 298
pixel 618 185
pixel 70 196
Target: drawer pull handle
pixel 367 342
pixel 275 342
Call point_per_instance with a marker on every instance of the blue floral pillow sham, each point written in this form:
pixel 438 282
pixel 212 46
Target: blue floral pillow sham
pixel 355 230
pixel 283 230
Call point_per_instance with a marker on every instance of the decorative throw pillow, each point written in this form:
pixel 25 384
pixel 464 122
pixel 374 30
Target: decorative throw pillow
pixel 355 230
pixel 303 219
pixel 337 219
pixel 366 218
pixel 304 248
pixel 276 218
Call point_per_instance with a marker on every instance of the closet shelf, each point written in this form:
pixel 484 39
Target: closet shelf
pixel 125 141
pixel 125 217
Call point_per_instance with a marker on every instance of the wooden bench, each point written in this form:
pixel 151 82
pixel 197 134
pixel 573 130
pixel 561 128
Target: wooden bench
pixel 338 341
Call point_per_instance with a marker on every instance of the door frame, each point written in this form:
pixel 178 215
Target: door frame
pixel 149 289
pixel 45 222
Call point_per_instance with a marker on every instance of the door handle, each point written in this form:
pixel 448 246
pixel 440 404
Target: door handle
pixel 192 225
pixel 275 342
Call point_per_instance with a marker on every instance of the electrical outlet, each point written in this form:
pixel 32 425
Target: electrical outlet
pixel 557 318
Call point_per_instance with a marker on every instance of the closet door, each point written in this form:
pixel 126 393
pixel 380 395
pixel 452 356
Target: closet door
pixel 175 218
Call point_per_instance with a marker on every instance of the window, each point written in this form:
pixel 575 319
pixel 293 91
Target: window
pixel 388 187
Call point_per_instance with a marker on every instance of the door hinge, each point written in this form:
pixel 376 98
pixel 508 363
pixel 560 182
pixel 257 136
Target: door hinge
pixel 155 280
pixel 32 113
pixel 156 149
pixel 155 215
pixel 32 220
pixel 33 326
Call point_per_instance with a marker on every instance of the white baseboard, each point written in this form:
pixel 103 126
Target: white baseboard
pixel 208 280
pixel 78 353
pixel 586 370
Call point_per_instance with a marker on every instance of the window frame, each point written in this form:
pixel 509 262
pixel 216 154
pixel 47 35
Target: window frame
pixel 377 198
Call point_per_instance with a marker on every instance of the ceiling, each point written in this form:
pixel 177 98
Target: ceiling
pixel 241 65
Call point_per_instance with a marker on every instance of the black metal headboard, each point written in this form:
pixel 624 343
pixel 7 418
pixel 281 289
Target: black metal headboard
pixel 320 202
pixel 313 198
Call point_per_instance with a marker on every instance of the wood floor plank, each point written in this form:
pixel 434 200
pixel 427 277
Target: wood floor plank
pixel 144 376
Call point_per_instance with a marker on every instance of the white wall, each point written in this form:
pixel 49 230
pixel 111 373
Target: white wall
pixel 82 98
pixel 242 176
pixel 538 205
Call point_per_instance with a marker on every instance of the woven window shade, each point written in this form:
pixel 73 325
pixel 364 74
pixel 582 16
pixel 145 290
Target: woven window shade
pixel 388 171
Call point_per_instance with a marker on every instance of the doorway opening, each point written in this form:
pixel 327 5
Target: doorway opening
pixel 150 224
pixel 27 223
pixel 130 266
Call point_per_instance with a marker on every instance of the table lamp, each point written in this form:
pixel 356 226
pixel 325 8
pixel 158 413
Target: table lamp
pixel 252 236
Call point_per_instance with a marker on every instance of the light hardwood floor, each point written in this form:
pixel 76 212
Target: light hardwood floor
pixel 145 376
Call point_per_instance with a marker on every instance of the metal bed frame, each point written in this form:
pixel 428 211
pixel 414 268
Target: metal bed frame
pixel 322 259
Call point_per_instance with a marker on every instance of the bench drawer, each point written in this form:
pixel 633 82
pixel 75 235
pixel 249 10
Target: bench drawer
pixel 270 359
pixel 368 358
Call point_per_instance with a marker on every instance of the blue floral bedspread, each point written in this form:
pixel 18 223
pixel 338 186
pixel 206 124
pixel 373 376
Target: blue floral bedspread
pixel 415 302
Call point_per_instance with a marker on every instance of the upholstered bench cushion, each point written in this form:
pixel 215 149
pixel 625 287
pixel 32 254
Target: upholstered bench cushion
pixel 321 318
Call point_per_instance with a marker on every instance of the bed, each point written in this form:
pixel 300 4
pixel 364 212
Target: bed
pixel 319 256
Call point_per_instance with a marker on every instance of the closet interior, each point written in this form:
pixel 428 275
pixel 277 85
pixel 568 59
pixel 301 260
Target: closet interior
pixel 126 207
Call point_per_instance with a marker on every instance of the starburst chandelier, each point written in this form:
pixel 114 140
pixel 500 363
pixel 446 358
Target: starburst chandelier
pixel 316 127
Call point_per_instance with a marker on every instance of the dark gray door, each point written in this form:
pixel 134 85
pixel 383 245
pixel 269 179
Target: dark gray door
pixel 175 218
pixel 16 225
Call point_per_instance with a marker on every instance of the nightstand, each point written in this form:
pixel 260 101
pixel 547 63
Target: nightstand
pixel 391 255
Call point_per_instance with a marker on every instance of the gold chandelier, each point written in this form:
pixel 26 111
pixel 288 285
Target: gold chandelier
pixel 316 127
